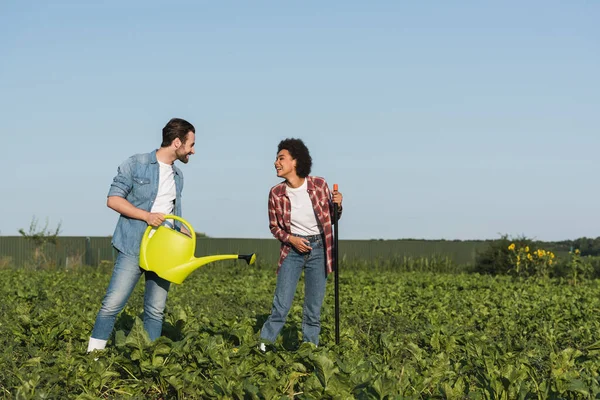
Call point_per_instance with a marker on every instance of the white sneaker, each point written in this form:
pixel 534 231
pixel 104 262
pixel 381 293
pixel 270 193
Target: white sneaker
pixel 96 344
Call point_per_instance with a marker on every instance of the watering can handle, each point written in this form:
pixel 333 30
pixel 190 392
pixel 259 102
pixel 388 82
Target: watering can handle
pixel 183 221
pixel 146 238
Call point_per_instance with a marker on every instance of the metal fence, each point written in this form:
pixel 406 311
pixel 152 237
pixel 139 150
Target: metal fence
pixel 19 251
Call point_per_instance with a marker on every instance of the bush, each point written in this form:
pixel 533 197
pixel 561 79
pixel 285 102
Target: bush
pixel 576 267
pixel 497 259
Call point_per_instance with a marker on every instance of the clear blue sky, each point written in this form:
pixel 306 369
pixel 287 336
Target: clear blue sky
pixel 453 120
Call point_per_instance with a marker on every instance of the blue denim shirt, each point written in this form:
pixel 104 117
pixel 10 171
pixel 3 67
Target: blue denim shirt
pixel 137 181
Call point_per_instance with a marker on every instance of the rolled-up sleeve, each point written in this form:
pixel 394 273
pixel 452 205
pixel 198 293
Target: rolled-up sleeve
pixel 123 182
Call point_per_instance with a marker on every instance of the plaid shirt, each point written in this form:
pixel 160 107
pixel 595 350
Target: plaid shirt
pixel 280 214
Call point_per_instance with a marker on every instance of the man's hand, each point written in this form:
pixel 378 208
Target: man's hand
pixel 185 230
pixel 155 219
pixel 300 244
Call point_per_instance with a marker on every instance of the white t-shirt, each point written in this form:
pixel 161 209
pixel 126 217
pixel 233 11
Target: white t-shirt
pixel 303 219
pixel 165 198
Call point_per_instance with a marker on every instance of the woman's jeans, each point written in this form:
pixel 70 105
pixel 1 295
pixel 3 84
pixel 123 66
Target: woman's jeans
pixel 315 278
pixel 125 276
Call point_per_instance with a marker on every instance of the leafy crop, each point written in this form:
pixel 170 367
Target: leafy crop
pixel 412 335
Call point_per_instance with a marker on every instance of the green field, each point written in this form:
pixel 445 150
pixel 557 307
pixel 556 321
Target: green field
pixel 403 335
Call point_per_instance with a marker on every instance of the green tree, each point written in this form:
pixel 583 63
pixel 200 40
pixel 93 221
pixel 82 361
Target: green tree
pixel 42 239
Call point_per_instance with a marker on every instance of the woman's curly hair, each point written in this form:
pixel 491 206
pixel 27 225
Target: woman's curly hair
pixel 300 153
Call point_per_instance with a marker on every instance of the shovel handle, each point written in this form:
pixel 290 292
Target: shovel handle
pixel 336 269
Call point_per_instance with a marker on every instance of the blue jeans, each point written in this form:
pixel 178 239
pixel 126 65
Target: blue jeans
pixel 125 276
pixel 315 279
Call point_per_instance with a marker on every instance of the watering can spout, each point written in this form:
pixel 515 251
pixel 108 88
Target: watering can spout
pixel 179 273
pixel 170 254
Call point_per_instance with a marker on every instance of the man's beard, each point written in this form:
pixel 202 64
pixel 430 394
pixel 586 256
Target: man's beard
pixel 183 157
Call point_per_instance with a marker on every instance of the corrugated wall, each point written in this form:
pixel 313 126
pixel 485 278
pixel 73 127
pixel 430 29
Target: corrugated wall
pixel 17 250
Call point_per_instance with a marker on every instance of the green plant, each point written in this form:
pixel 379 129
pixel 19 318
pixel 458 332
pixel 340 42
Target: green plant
pixel 417 335
pixel 578 267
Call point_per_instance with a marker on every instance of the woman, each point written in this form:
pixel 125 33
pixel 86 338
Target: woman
pixel 300 217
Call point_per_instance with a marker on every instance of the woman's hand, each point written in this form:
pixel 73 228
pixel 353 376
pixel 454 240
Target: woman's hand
pixel 300 244
pixel 337 198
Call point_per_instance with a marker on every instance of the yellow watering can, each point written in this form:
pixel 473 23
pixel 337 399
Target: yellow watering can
pixel 170 253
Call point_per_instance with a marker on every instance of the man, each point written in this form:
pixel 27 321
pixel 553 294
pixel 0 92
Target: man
pixel 146 188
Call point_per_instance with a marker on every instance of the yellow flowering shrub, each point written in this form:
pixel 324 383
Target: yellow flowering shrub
pixel 530 263
pixel 498 258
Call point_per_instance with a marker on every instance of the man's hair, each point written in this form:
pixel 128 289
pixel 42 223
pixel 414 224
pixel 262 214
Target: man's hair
pixel 299 152
pixel 176 128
